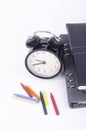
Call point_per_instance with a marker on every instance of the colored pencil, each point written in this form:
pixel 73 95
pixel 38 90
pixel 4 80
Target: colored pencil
pixel 54 104
pixel 33 93
pixel 25 97
pixel 43 103
pixel 45 98
pixel 25 100
pixel 25 88
pixel 30 91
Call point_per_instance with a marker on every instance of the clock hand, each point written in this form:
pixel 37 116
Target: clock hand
pixel 39 63
pixel 39 60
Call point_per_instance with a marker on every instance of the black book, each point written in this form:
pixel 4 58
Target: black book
pixel 75 64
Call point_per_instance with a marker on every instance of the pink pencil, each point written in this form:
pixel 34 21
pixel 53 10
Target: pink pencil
pixel 54 104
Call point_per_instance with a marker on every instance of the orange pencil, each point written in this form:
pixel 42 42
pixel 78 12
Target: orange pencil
pixel 32 92
pixel 29 90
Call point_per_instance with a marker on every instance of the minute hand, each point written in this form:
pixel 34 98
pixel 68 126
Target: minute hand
pixel 39 63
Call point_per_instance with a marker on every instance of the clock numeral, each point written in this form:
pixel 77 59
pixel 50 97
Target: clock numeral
pixel 33 56
pixel 50 70
pixel 45 71
pixel 55 66
pixel 38 69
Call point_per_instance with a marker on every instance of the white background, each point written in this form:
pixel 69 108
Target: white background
pixel 18 20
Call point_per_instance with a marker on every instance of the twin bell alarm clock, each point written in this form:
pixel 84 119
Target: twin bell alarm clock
pixel 45 57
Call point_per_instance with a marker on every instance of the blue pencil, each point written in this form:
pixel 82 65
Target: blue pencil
pixel 26 97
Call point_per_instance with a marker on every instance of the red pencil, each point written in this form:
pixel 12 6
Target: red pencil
pixel 54 104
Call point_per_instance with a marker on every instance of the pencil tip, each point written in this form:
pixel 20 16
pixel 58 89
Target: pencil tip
pixel 22 84
pixel 50 93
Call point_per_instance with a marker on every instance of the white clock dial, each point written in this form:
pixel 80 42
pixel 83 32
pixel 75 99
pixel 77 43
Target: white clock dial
pixel 43 63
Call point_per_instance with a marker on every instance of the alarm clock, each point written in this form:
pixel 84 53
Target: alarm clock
pixel 44 60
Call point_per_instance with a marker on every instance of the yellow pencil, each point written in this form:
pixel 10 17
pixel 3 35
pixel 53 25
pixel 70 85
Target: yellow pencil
pixel 45 98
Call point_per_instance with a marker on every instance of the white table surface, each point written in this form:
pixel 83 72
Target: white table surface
pixel 18 20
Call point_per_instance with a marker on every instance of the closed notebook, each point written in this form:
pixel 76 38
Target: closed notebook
pixel 75 64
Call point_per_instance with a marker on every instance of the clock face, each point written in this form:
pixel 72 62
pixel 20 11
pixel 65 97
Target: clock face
pixel 43 63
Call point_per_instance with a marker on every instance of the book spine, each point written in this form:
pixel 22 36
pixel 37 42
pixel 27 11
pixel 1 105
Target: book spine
pixel 70 75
